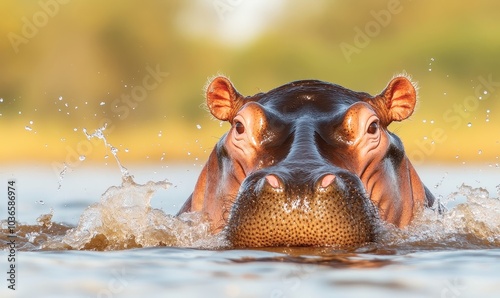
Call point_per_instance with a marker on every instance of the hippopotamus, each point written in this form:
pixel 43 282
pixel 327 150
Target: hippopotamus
pixel 310 163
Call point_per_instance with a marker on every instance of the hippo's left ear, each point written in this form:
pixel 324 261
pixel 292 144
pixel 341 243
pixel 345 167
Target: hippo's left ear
pixel 397 101
pixel 223 100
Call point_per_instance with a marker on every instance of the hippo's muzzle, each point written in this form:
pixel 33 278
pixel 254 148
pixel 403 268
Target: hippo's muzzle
pixel 322 210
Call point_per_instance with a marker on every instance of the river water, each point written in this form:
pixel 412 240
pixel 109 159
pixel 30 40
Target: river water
pixel 94 234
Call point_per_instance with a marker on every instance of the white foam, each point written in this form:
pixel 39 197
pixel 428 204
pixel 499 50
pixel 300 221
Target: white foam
pixel 471 224
pixel 124 218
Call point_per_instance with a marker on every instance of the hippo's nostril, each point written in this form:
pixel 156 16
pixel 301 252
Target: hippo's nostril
pixel 327 180
pixel 273 181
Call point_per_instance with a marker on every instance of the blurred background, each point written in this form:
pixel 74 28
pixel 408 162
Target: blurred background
pixel 139 68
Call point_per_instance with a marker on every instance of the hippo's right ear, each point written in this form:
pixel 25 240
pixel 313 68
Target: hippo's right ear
pixel 223 100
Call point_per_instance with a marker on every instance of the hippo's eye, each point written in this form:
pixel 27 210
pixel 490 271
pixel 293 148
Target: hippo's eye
pixel 372 128
pixel 239 127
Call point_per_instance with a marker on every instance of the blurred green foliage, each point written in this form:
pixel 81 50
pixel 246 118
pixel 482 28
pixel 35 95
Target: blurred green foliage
pixel 81 58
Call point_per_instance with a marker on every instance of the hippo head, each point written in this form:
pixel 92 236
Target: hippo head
pixel 309 163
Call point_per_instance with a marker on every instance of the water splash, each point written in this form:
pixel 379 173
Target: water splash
pixel 122 219
pixel 61 176
pixel 472 224
pixel 430 64
pixel 99 133
pixel 125 219
pixel 33 237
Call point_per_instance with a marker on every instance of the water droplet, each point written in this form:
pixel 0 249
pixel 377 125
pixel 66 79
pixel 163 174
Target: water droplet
pixel 159 134
pixel 41 202
pixel 75 129
pixel 114 150
pixel 1 99
pixel 432 121
pixel 485 92
pixel 430 69
pixel 82 157
pixel 444 93
pixel 28 128
pixel 126 150
pixel 189 153
pixel 424 121
pixel 457 156
pixel 487 111
pixel 469 124
pixel 198 126
pixel 60 97
pixel 102 103
pixel 106 156
pixel 31 122
pixel 432 59
pixel 480 152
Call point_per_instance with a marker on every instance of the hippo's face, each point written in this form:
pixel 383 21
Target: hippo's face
pixel 308 164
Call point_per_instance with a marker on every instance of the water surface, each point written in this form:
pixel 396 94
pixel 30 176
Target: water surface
pixel 97 236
